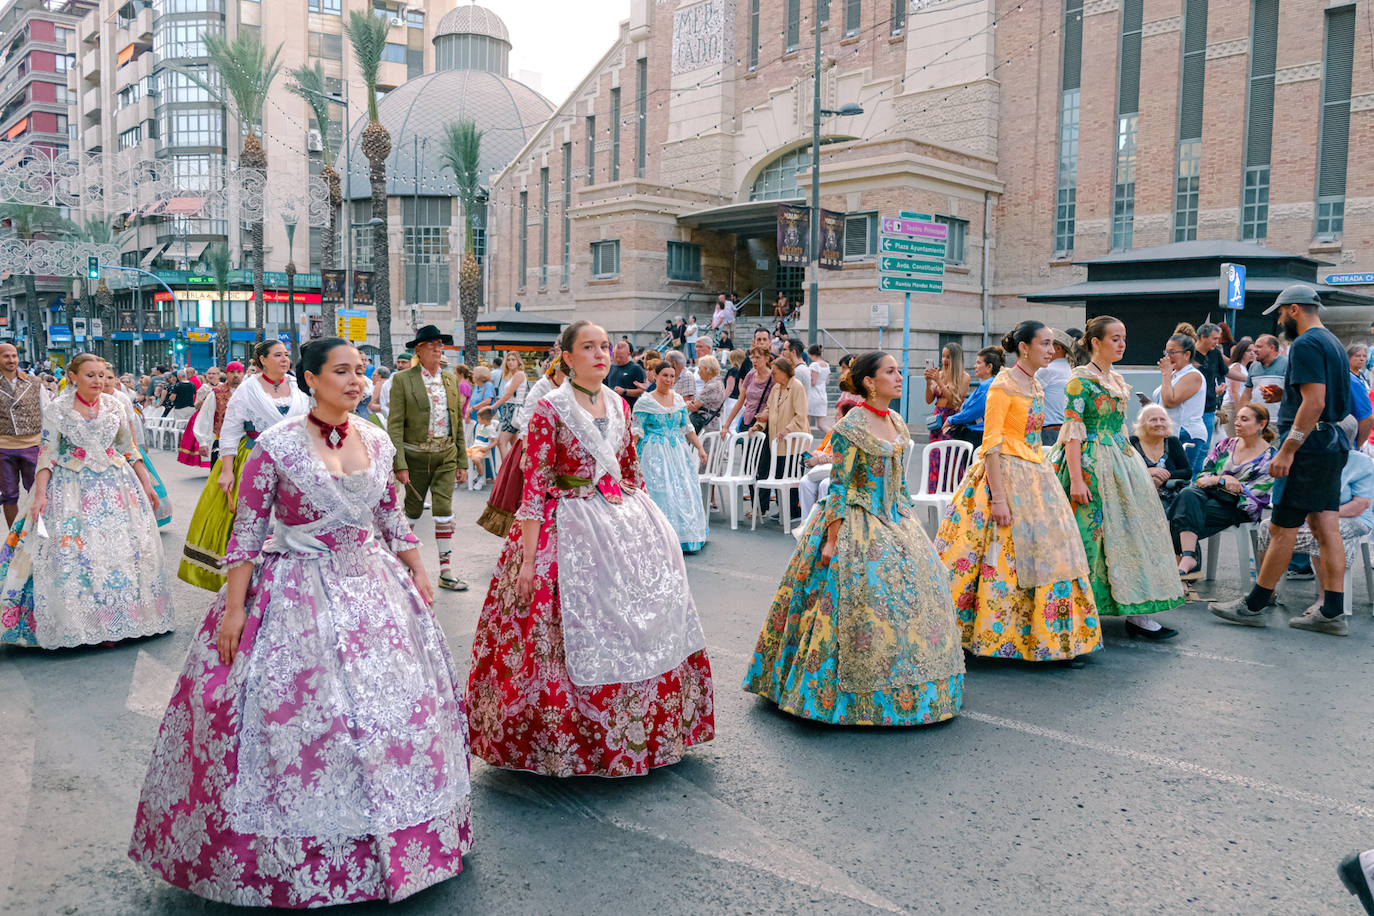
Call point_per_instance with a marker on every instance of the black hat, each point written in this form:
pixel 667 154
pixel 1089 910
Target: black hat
pixel 426 334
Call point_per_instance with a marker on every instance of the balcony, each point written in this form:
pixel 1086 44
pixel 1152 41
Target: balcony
pixel 91 139
pixel 88 29
pixel 92 102
pixel 90 65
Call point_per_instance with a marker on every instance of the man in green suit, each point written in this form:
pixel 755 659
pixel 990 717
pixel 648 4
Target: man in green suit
pixel 426 426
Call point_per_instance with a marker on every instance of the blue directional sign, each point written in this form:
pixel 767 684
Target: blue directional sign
pixel 1234 274
pixel 1349 279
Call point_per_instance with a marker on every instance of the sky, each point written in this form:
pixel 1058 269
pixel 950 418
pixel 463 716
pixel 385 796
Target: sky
pixel 561 40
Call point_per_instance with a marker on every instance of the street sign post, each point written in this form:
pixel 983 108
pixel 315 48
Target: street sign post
pixel 1349 279
pixel 896 244
pixel 911 285
pixel 1233 289
pixel 912 260
pixel 900 264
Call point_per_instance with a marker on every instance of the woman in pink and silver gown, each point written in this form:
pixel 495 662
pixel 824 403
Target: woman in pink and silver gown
pixel 328 763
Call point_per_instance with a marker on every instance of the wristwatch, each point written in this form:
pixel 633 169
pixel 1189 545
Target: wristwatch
pixel 1297 435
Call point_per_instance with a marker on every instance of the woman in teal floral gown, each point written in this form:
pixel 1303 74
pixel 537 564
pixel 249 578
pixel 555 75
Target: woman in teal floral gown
pixel 862 630
pixel 1114 501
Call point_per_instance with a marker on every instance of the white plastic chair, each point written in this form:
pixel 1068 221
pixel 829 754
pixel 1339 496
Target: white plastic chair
pixel 1368 577
pixel 952 456
pixel 741 467
pixel 792 449
pixel 1247 547
pixel 715 465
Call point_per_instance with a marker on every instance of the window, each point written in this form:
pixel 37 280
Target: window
pixel 1066 185
pixel 615 133
pixel 471 52
pixel 852 12
pixel 184 37
pixel 415 19
pixel 1186 190
pixel 178 87
pixel 425 248
pixel 63 62
pixel 1335 129
pixel 825 13
pixel 543 228
pixel 524 236
pixel 362 236
pixel 394 53
pixel 325 45
pixel 591 149
pixel 778 180
pixel 131 137
pixel 1127 107
pixel 193 128
pixel 606 258
pixel 642 114
pixel 899 16
pixel 954 242
pixel 860 236
pixel 791 30
pixel 1259 127
pixel 567 220
pixel 127 96
pixel 684 261
pixel 753 34
pixel 327 6
pixel 1190 97
pixel 195 173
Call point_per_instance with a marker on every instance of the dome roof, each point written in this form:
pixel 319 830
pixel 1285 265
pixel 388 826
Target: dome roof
pixel 472 20
pixel 506 111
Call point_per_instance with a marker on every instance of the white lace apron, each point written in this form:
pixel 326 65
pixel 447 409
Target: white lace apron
pixel 628 614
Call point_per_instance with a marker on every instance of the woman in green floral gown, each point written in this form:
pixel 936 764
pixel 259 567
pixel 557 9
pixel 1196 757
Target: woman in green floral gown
pixel 1114 502
pixel 862 630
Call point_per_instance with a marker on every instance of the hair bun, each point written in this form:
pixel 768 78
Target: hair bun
pixel 1008 342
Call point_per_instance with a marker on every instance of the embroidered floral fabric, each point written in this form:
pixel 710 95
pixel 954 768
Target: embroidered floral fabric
pixel 526 711
pixel 98 575
pixel 329 763
pixel 438 403
pixel 1123 524
pixel 871 638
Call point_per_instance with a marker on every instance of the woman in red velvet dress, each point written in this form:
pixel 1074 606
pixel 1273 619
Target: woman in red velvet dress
pixel 589 658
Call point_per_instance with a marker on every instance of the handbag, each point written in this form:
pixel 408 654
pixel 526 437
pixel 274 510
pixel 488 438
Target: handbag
pixel 934 421
pixel 704 418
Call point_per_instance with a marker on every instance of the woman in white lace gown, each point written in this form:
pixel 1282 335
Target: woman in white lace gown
pixel 315 749
pixel 670 456
pixel 92 571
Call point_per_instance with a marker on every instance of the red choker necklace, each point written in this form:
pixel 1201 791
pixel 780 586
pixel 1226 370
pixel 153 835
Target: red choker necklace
pixel 1024 372
pixel 277 384
pixel 875 411
pixel 334 436
pixel 90 404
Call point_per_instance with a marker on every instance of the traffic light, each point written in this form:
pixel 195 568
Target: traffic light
pixel 92 268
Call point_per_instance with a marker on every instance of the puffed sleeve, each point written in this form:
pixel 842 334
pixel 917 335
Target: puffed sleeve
pixel 641 409
pixel 204 427
pixel 537 464
pixel 995 419
pixel 1077 401
pixel 840 473
pixel 257 493
pixel 235 416
pixel 629 458
pixel 52 437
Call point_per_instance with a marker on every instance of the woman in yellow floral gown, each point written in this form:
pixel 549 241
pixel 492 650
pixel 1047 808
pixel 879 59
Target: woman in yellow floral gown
pixel 1017 566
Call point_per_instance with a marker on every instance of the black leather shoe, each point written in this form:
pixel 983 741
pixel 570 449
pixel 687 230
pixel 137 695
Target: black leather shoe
pixel 1136 631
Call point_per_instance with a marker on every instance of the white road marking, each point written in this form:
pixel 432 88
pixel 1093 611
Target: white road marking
pixel 19 726
pixel 1179 650
pixel 685 814
pixel 151 686
pixel 1179 766
pixel 733 573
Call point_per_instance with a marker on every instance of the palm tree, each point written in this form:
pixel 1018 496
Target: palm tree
pixel 367 34
pixel 309 84
pixel 218 264
pixel 462 151
pixel 247 71
pixel 27 222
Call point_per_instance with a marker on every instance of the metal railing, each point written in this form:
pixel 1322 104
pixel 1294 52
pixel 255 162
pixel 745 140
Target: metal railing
pixel 669 309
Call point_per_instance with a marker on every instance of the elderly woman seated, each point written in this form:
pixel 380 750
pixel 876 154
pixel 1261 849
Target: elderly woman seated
pixel 1356 518
pixel 1164 454
pixel 1233 488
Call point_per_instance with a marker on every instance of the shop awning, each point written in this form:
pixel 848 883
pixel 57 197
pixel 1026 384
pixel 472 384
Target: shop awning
pixel 755 218
pixel 126 55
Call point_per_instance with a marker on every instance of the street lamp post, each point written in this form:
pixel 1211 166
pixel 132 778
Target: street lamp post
pixel 813 295
pixel 290 220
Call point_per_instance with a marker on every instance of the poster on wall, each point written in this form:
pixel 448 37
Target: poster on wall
pixel 362 287
pixel 832 240
pixel 332 287
pixel 794 226
pixel 126 322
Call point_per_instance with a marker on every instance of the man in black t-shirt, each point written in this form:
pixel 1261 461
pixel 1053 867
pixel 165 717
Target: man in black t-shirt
pixel 1307 469
pixel 626 377
pixel 1207 358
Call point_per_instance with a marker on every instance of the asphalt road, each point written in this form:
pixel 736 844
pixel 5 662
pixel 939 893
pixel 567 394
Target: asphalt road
pixel 1226 771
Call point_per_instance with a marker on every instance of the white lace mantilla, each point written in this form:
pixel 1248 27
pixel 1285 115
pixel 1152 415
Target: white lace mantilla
pixel 604 448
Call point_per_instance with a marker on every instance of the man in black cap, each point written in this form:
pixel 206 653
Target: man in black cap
pixel 427 429
pixel 1307 469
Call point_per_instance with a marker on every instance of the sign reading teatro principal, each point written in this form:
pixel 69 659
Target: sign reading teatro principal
pixel 702 35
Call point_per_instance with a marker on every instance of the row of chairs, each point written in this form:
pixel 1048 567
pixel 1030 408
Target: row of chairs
pixel 1249 557
pixel 163 432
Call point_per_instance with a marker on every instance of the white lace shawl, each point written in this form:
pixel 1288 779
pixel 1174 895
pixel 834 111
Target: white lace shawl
pixel 250 404
pixel 604 449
